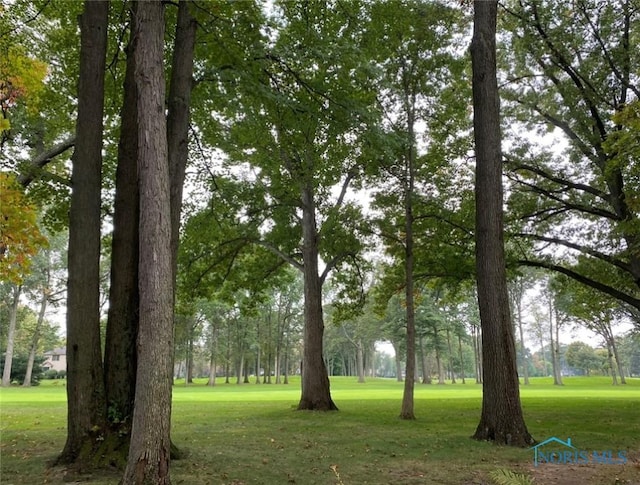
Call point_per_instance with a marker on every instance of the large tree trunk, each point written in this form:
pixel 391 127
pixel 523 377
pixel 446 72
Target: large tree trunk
pixel 11 336
pixel 120 357
pixel 408 182
pixel 122 327
pixel 86 410
pixel 149 453
pixel 316 394
pixel 501 420
pixel 406 411
pixel 179 102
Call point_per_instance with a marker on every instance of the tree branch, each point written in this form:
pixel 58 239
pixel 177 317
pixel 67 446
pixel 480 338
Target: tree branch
pixel 622 77
pixel 345 185
pixel 43 159
pixel 578 247
pixel 333 263
pixel 619 295
pixel 596 211
pixel 552 178
pixel 286 257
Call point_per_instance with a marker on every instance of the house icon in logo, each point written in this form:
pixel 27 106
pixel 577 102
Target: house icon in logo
pixel 553 439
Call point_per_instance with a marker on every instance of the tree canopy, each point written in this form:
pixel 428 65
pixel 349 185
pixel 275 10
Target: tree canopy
pixel 348 173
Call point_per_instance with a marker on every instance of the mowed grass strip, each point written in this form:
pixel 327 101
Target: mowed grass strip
pixel 252 434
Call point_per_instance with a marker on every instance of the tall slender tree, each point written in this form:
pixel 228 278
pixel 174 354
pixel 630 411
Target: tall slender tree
pixel 149 452
pixel 418 71
pixel 501 420
pixel 120 359
pixel 85 385
pixel 16 290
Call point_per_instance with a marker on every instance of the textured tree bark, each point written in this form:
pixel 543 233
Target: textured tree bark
pixel 316 394
pixel 178 117
pixel 120 359
pixel 13 318
pixel 501 420
pixel 122 327
pixel 35 339
pixel 149 453
pixel 85 386
pixel 406 411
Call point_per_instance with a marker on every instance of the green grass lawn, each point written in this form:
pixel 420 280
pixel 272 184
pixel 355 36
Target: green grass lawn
pixel 251 434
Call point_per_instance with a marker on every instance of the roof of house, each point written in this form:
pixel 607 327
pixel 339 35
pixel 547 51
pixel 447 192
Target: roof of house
pixel 57 351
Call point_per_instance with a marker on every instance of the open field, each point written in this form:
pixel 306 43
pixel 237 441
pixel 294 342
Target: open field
pixel 251 434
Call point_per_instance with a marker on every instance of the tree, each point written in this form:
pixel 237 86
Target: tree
pixel 570 72
pixel 85 384
pixel 11 334
pixel 122 325
pixel 361 332
pixel 555 322
pixel 582 357
pixel 215 313
pixel 21 366
pixel 45 284
pixel 393 323
pixel 293 151
pixel 149 452
pixel 630 353
pixel 501 420
pixel 21 79
pixel 595 313
pixel 539 331
pixel 417 74
pixel 20 236
pixel 431 322
pixel 518 287
pixel 178 118
pixel 120 354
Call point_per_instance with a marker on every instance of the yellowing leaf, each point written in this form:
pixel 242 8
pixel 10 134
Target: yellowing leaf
pixel 20 237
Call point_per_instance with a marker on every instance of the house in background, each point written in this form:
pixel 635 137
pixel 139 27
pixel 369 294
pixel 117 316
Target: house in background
pixel 55 359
